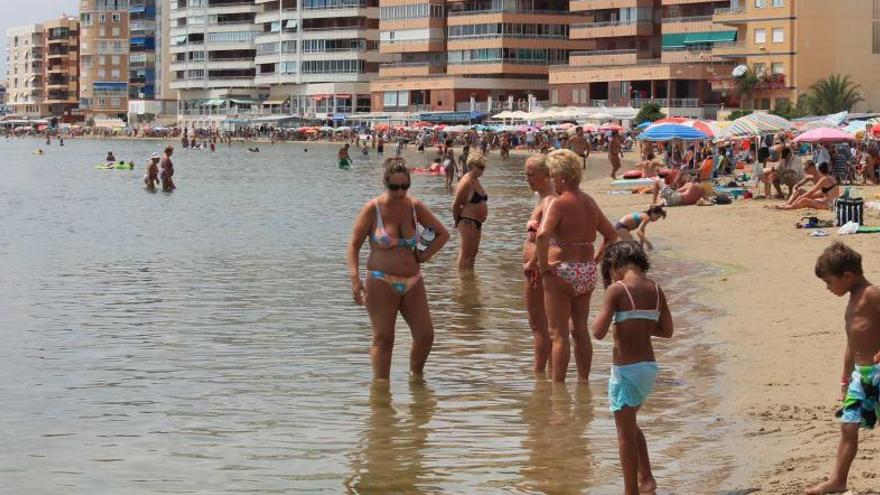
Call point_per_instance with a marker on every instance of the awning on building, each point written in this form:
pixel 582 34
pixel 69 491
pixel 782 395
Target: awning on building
pixel 275 102
pixel 708 37
pixel 243 101
pixel 674 40
pixel 214 102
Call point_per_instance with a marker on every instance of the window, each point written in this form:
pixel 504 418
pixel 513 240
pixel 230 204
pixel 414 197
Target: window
pixel 760 4
pixel 85 20
pixel 232 37
pixel 102 60
pixel 115 31
pixel 777 68
pixel 776 3
pixel 115 17
pixel 102 32
pixel 114 102
pixel 554 96
pixel 101 102
pixel 760 35
pixel 778 35
pixel 102 73
pixel 196 74
pixel 584 96
pixel 114 74
pixel 760 68
pixel 115 59
pixel 574 95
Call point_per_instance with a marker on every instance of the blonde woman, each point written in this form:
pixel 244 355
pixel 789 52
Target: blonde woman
pixel 469 210
pixel 566 260
pixel 538 177
pixel 394 282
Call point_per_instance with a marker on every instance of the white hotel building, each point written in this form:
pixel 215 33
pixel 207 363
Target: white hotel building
pixel 242 58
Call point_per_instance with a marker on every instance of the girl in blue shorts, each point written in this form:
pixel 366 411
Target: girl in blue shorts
pixel 637 308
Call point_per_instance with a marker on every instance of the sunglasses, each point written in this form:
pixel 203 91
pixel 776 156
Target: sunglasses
pixel 398 187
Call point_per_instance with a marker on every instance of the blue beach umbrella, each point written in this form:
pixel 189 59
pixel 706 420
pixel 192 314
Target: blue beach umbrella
pixel 668 132
pixel 644 125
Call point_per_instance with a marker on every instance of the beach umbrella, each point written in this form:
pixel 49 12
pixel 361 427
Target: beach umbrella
pixel 566 126
pixel 855 127
pixel 707 128
pixel 600 116
pixel 304 129
pixel 671 120
pixel 824 135
pixel 668 132
pixel 343 129
pixel 644 125
pixel 526 128
pixel 755 125
pixel 815 124
pixel 381 127
pixel 611 127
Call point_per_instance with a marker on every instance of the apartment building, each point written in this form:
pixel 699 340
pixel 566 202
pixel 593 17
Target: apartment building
pixel 470 55
pixel 61 63
pixel 3 95
pixel 233 58
pixel 142 50
pixel 104 57
pixel 637 51
pixel 25 47
pixel 791 44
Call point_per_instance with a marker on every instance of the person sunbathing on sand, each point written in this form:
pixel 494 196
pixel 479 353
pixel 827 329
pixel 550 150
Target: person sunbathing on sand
pixel 687 195
pixel 840 267
pixel 649 166
pixel 820 197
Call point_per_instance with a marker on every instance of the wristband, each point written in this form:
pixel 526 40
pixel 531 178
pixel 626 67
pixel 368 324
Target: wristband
pixel 845 383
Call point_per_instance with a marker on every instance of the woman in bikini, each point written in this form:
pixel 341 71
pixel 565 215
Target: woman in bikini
pixel 820 197
pixel 638 222
pixel 538 177
pixel 566 260
pixel 393 280
pixel 469 210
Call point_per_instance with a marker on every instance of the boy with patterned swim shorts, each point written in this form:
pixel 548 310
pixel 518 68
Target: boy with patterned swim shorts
pixel 841 269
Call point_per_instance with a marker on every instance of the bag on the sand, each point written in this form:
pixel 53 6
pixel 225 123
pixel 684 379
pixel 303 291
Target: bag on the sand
pixel 850 210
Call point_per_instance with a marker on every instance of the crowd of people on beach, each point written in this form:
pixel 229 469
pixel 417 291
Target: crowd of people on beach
pixel 562 267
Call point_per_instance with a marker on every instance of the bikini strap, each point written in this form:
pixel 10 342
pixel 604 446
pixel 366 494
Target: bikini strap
pixel 657 289
pixel 379 224
pixel 415 217
pixel 631 301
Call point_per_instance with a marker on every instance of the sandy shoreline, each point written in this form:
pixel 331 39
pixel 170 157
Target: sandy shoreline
pixel 779 330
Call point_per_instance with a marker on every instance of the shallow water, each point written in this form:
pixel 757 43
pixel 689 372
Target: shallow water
pixel 204 341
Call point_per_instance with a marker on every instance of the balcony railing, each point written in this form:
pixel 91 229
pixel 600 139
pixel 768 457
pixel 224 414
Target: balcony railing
pixel 728 11
pixel 509 10
pixel 499 61
pixel 333 4
pixel 667 103
pixel 626 22
pixel 587 53
pixel 509 36
pixel 696 18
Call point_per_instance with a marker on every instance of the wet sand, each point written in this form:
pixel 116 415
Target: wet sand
pixel 778 332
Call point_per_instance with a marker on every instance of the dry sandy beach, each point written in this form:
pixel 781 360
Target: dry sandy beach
pixel 781 332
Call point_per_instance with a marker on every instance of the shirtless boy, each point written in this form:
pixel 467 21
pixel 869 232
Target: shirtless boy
pixel 840 267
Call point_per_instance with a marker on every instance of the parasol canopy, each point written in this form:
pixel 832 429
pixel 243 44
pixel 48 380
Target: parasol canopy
pixel 669 132
pixel 755 125
pixel 824 135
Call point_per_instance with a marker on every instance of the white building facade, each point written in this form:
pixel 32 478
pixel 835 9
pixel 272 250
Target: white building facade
pixel 25 47
pixel 235 59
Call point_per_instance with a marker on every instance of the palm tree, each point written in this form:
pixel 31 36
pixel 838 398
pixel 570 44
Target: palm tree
pixel 834 94
pixel 745 86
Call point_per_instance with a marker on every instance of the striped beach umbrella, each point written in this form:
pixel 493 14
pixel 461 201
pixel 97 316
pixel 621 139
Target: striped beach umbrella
pixel 755 125
pixel 669 132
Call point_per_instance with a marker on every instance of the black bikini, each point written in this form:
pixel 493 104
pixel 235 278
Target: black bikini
pixel 479 198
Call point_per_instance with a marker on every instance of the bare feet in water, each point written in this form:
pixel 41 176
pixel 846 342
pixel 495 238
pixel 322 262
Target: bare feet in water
pixel 830 486
pixel 648 486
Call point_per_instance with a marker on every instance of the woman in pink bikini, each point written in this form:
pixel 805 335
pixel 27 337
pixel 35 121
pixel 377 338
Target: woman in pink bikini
pixel 566 259
pixel 393 279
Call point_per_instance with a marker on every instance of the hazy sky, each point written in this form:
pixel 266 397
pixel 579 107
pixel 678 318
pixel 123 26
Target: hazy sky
pixel 20 12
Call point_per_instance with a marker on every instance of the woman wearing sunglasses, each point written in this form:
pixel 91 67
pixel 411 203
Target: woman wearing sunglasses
pixel 469 210
pixel 393 280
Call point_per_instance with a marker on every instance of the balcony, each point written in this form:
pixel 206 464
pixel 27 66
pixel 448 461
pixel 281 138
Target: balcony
pixel 667 103
pixel 731 15
pixel 412 46
pixel 692 24
pixel 612 29
pixel 498 66
pixel 510 15
pixel 687 55
pixel 733 49
pixel 586 5
pixel 600 58
pixel 407 69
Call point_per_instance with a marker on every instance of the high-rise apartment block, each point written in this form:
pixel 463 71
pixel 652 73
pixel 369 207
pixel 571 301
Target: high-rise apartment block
pixel 61 89
pixel 104 57
pixel 25 46
pixel 450 56
pixel 312 58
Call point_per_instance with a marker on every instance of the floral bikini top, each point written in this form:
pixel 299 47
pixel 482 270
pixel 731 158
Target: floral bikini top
pixel 382 239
